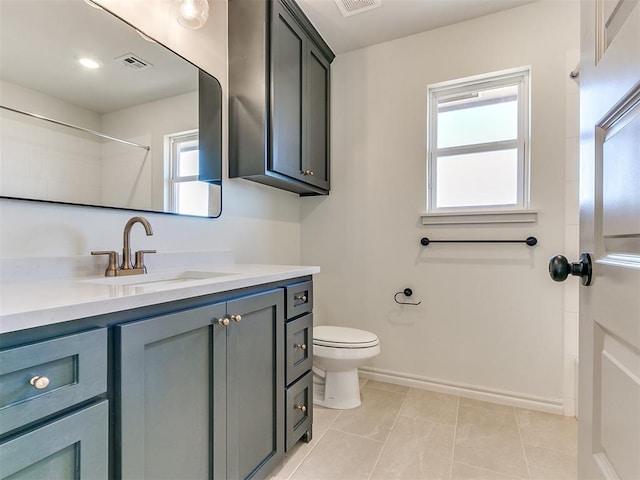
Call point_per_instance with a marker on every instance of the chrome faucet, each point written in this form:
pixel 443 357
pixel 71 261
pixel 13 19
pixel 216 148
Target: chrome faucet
pixel 126 267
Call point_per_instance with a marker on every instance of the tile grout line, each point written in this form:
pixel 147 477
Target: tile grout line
pixel 314 447
pixel 524 450
pixel 455 435
pixel 395 421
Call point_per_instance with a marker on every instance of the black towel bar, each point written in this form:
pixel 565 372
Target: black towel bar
pixel 531 241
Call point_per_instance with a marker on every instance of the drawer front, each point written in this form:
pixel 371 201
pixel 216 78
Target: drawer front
pixel 299 346
pixel 75 446
pixel 42 378
pixel 299 299
pixel 299 411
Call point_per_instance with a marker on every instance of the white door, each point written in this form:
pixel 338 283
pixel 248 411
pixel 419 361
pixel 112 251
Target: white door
pixel 609 375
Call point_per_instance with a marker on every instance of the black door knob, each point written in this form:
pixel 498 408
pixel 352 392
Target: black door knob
pixel 560 268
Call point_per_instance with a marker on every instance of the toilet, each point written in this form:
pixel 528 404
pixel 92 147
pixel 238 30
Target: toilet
pixel 337 354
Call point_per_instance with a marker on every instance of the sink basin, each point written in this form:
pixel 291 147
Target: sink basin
pixel 157 278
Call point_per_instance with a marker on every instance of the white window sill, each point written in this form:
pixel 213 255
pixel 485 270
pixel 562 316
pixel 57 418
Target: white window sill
pixel 471 218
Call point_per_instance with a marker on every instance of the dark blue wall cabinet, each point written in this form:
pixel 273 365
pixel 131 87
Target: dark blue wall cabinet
pixel 279 126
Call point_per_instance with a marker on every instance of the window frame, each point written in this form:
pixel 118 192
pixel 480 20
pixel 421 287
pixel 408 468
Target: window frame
pixel 517 76
pixel 175 140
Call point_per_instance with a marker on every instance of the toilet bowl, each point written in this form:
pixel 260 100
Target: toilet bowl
pixel 337 354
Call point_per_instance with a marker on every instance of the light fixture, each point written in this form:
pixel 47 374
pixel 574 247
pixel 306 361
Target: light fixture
pixel 89 63
pixel 192 13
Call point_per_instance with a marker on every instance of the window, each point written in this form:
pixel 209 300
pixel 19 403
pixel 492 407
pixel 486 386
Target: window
pixel 478 140
pixel 187 195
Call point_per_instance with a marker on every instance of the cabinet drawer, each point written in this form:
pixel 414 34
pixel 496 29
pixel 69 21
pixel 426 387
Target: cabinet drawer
pixel 299 411
pixel 299 346
pixel 75 446
pixel 299 299
pixel 74 366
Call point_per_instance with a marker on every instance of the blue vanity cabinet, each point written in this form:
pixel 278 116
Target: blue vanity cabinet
pixel 54 418
pixel 200 391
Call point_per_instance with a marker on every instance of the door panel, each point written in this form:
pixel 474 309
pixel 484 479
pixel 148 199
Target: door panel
pixel 255 384
pixel 317 132
pixel 288 82
pixel 609 378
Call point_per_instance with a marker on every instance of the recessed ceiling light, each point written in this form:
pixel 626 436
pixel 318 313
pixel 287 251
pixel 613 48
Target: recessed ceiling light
pixel 89 63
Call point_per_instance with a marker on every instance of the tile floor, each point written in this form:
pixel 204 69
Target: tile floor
pixel 409 434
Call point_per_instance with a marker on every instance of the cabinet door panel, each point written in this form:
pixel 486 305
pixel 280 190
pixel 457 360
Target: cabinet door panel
pixel 255 384
pixel 317 114
pixel 164 403
pixel 288 83
pixel 74 447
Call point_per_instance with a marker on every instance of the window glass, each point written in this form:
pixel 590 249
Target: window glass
pixel 475 179
pixel 484 116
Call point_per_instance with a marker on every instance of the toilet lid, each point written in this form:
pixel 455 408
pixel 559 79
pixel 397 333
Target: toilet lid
pixel 343 337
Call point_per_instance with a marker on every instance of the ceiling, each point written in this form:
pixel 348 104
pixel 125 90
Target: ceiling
pixel 394 19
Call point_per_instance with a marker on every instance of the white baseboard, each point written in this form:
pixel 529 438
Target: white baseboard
pixel 549 405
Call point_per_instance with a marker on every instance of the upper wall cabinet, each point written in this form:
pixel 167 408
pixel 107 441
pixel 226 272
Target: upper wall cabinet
pixel 278 97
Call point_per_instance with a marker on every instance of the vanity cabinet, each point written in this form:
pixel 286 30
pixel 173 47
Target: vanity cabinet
pixel 215 386
pixel 54 417
pixel 278 97
pixel 201 391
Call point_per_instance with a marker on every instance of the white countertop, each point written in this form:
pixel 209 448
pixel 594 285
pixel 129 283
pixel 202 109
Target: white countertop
pixel 36 302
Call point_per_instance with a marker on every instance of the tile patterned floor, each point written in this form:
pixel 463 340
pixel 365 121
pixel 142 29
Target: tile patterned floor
pixel 402 433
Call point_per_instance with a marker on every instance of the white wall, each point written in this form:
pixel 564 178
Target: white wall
pixel 491 321
pixel 259 224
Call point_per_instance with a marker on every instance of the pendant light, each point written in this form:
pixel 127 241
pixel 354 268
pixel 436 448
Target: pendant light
pixel 192 13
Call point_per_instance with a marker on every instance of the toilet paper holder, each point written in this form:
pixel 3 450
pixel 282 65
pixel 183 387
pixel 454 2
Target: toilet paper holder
pixel 407 292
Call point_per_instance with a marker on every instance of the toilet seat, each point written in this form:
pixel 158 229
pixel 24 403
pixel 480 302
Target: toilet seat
pixel 343 337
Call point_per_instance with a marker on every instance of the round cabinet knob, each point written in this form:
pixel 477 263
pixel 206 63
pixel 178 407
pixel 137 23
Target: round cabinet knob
pixel 236 318
pixel 223 321
pixel 303 298
pixel 39 382
pixel 302 408
pixel 560 268
pixel 301 346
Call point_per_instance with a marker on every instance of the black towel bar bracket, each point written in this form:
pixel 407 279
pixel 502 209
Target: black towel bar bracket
pixel 531 241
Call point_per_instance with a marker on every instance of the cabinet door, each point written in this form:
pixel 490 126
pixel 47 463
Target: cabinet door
pixel 317 118
pixel 288 80
pixel 164 413
pixel 73 447
pixel 255 385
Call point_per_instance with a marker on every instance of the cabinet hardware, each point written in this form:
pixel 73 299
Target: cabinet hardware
pixel 223 321
pixel 302 408
pixel 236 318
pixel 301 346
pixel 39 382
pixel 302 298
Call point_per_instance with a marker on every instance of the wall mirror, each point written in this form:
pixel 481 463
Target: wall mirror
pixel 136 127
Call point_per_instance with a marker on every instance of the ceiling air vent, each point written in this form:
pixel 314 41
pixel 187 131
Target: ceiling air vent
pixel 351 7
pixel 133 61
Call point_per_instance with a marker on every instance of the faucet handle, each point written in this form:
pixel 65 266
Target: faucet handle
pixel 112 268
pixel 140 259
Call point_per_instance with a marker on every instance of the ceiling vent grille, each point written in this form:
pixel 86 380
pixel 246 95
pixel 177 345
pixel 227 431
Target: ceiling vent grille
pixel 132 61
pixel 351 7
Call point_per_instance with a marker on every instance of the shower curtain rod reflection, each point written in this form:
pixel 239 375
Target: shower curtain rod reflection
pixel 75 127
pixel 531 241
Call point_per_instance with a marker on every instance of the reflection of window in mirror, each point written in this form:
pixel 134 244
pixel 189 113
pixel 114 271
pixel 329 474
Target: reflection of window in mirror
pixel 186 195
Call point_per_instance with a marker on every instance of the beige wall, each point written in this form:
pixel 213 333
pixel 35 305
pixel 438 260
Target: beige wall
pixel 491 321
pixel 259 224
